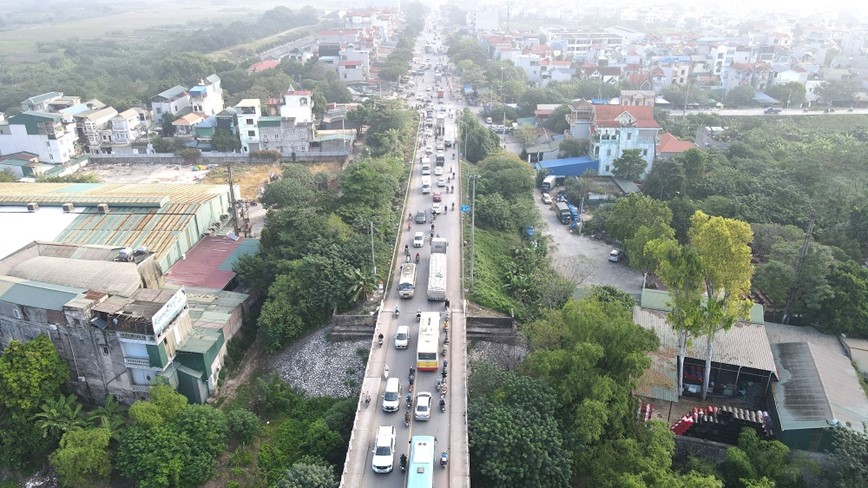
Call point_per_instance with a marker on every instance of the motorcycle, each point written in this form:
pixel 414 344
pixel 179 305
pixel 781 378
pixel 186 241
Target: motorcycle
pixel 442 405
pixel 406 420
pixel 444 459
pixel 403 462
pixel 409 401
pixel 380 339
pixel 397 312
pixel 417 262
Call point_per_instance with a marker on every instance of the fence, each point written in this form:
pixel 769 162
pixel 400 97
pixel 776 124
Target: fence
pixel 212 158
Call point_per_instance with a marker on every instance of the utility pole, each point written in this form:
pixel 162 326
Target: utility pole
pixel 373 259
pixel 686 100
pixel 803 254
pixel 232 200
pixel 472 227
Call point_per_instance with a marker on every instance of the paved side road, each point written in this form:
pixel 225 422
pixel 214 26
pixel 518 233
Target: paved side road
pixel 583 259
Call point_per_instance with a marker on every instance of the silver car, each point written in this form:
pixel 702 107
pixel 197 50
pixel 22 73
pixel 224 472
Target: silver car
pixel 423 406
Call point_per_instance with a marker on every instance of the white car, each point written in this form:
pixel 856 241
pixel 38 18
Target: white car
pixel 392 395
pixel 546 198
pixel 615 255
pixel 441 182
pixel 435 208
pixel 438 170
pixel 428 150
pixel 423 406
pixel 419 239
pixel 384 450
pixel 402 337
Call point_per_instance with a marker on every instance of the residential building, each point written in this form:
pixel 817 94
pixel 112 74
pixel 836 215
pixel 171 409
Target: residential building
pixel 351 72
pixel 297 105
pixel 756 75
pixel 39 103
pixel 608 74
pixel 553 70
pixel 170 102
pixel 583 46
pixel 207 97
pixel 579 118
pixel 94 129
pixel 292 131
pixel 671 146
pixel 638 98
pixel 531 64
pixel 248 112
pixel 130 125
pixel 23 165
pixel 40 133
pixel 185 125
pixel 615 128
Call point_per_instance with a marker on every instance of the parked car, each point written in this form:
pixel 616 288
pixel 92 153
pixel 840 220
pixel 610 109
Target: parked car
pixel 773 110
pixel 616 255
pixel 546 198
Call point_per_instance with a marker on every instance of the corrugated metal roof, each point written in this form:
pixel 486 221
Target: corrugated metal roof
pixel 209 263
pixel 817 387
pixel 659 300
pixel 858 351
pixel 90 275
pixel 201 340
pixel 37 294
pixel 743 345
pixel 151 215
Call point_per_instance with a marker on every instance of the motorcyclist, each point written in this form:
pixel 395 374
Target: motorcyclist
pixel 404 456
pixel 397 310
pixel 417 257
pixel 380 338
pixel 453 205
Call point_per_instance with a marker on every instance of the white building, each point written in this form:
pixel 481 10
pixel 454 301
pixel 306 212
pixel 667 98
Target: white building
pixel 129 125
pixel 207 97
pixel 95 129
pixel 483 19
pixel 170 102
pixel 530 63
pixel 39 133
pixel 297 105
pixel 248 112
pixel 615 128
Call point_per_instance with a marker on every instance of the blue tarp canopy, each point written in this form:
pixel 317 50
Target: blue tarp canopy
pixel 468 89
pixel 569 166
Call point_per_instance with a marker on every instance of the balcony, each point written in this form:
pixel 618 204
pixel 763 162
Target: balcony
pixel 140 388
pixel 137 362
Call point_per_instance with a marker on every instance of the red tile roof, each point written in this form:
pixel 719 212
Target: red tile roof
pixel 607 115
pixel 299 93
pixel 350 63
pixel 263 66
pixel 670 144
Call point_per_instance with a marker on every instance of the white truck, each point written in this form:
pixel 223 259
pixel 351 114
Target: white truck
pixel 437 277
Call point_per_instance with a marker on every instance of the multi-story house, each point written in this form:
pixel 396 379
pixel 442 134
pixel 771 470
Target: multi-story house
pixel 482 18
pixel 354 64
pixel 608 74
pixel 292 131
pixel 638 98
pixel 130 125
pixel 185 126
pixel 531 64
pixel 248 112
pixel 207 97
pixel 753 74
pixel 615 128
pixel 39 103
pixel 95 129
pixel 351 72
pixel 553 70
pixel 584 46
pixel 170 102
pixel 39 133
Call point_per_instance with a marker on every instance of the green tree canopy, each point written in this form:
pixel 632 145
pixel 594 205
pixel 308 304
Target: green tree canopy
pixel 634 211
pixel 83 457
pixel 631 165
pixel 30 374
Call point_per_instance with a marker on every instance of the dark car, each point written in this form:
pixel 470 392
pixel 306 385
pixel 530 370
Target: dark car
pixel 421 217
pixel 773 110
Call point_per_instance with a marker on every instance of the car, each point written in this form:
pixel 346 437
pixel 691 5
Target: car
pixel 488 120
pixel 421 217
pixel 419 239
pixel 429 149
pixel 773 110
pixel 423 406
pixel 437 196
pixel 441 182
pixel 438 171
pixel 402 337
pixel 384 450
pixel 546 198
pixel 435 209
pixel 392 395
pixel 616 255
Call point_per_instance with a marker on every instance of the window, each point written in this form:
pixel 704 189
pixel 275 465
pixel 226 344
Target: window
pixel 251 133
pixel 159 110
pixel 608 152
pixel 105 350
pixel 249 121
pixel 629 135
pixel 644 152
pixel 607 168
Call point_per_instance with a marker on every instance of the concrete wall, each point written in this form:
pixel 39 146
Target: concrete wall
pixel 209 158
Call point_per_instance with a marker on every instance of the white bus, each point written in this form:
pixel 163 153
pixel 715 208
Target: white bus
pixel 407 283
pixel 427 358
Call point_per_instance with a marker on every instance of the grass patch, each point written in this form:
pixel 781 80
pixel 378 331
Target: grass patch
pixel 493 256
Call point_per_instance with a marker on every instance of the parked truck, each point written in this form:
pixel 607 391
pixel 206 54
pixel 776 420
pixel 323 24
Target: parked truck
pixel 551 181
pixel 562 209
pixel 437 270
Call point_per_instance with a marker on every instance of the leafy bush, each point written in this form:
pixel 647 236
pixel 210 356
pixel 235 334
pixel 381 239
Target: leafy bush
pixel 243 424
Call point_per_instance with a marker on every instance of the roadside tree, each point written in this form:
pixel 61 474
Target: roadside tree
pixel 630 165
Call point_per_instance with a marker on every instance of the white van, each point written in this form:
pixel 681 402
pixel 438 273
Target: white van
pixel 392 395
pixel 426 184
pixel 384 450
pixel 426 166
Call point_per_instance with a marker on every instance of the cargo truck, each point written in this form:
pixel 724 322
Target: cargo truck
pixel 562 209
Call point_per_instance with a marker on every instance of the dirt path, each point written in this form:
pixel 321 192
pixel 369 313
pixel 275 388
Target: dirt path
pixel 250 364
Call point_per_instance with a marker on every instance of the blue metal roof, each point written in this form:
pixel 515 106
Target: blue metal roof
pixel 569 166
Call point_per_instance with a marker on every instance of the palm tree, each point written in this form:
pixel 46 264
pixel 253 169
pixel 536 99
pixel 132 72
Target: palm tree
pixel 59 416
pixel 362 285
pixel 109 416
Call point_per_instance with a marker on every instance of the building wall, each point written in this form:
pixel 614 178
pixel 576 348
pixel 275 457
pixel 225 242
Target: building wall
pixel 58 151
pixel 169 107
pixel 608 150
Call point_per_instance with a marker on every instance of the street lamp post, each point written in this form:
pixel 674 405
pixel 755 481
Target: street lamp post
pixel 373 258
pixel 502 100
pixel 472 179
